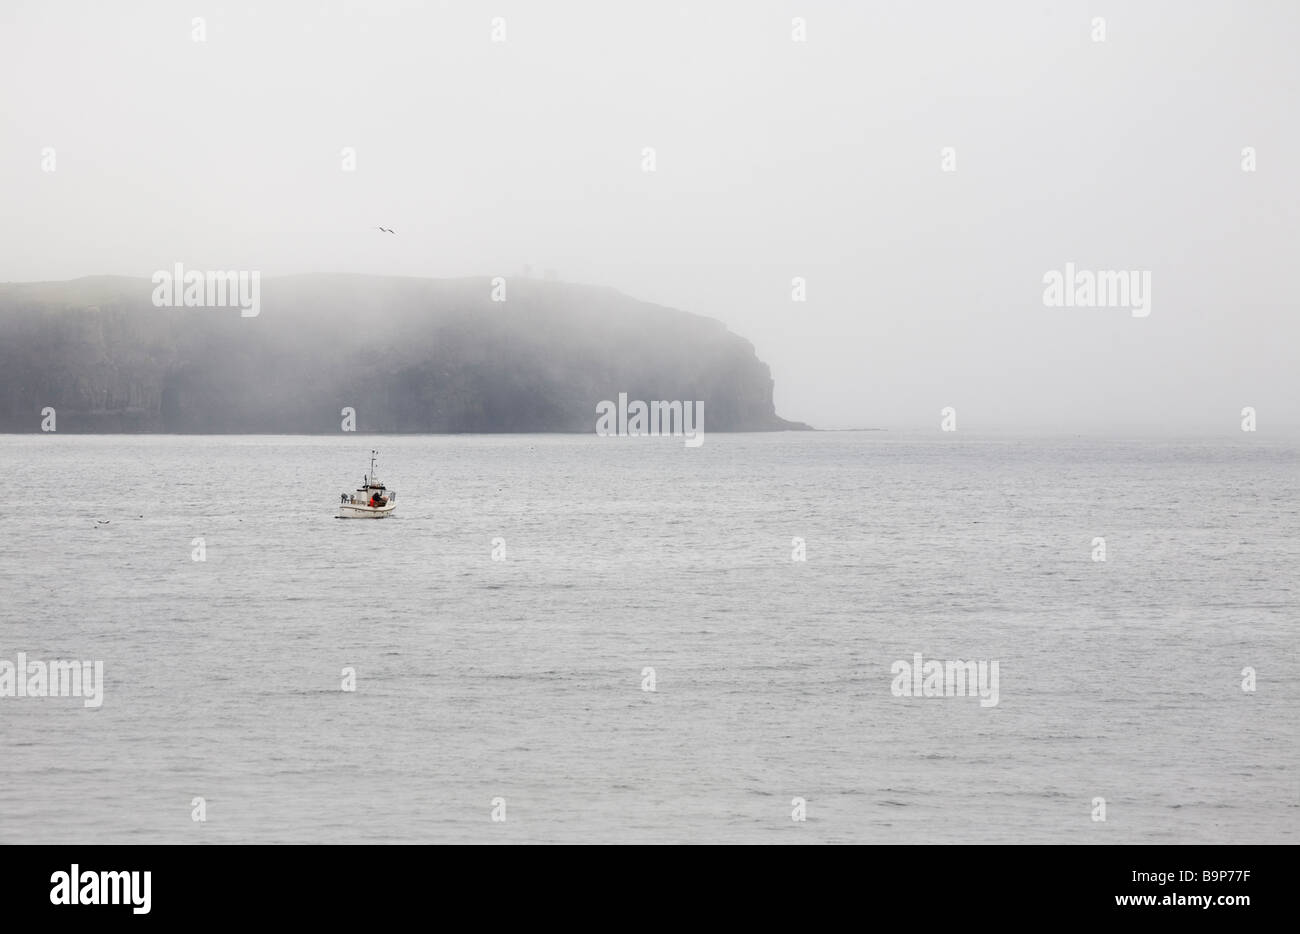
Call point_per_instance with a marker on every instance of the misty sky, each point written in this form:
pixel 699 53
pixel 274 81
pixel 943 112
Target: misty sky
pixel 774 159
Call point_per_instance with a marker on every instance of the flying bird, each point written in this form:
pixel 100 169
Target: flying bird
pixel 387 230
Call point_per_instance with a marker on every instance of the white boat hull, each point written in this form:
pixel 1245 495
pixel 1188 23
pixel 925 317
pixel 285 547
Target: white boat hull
pixel 358 511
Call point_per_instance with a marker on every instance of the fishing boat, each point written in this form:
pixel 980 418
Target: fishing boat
pixel 372 500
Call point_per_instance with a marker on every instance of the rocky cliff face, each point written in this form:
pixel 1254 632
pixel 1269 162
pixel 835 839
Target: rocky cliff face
pixel 409 355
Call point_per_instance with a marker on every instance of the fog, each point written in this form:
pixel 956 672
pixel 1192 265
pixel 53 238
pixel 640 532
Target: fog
pixel 773 159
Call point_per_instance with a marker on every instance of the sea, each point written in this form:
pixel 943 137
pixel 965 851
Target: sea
pixel 577 639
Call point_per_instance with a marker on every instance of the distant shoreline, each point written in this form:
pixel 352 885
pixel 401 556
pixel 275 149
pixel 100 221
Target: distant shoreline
pixel 406 434
pixel 312 354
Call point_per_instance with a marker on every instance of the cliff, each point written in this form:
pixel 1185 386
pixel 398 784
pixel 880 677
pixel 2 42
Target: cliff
pixel 410 355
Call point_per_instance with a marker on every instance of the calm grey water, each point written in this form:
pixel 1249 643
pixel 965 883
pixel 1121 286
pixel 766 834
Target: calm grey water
pixel 522 678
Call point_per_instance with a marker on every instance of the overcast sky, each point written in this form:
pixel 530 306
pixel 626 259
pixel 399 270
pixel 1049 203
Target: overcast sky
pixel 773 159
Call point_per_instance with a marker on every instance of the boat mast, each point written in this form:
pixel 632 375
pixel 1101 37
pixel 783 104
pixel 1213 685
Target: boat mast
pixel 372 466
